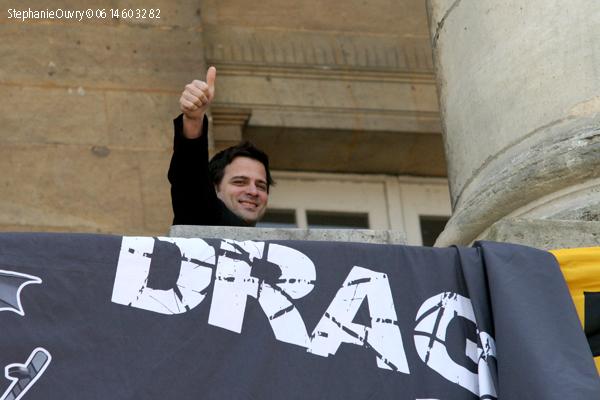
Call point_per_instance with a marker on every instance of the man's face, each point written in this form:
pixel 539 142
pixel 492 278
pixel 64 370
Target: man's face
pixel 243 189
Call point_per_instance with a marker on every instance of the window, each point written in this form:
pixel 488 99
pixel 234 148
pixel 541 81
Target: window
pixel 278 218
pixel 337 220
pixel 417 206
pixel 431 227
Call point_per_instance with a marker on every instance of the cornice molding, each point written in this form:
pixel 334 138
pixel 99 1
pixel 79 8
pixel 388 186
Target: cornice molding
pixel 317 50
pixel 313 72
pixel 226 115
pixel 222 116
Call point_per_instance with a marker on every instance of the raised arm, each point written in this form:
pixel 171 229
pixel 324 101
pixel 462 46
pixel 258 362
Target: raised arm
pixel 194 101
pixel 192 193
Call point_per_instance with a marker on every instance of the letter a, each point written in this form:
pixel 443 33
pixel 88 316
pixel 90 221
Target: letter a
pixel 336 326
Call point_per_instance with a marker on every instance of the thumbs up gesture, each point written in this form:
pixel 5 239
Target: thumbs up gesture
pixel 194 102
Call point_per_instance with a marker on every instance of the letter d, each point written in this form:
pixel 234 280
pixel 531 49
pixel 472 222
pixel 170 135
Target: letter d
pixel 132 288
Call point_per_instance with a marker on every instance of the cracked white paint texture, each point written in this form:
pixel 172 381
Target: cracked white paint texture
pixel 133 269
pixel 336 326
pixel 433 319
pixel 234 283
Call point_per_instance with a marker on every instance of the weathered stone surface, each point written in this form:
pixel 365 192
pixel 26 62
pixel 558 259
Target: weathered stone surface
pixel 346 119
pixel 579 202
pixel 155 191
pixel 357 102
pixel 518 88
pixel 141 120
pixel 355 151
pixel 406 18
pixel 556 158
pixel 357 95
pixel 316 49
pixel 101 56
pixel 52 115
pixel 324 79
pixel 545 234
pixel 507 71
pixel 86 132
pixel 80 189
pixel 70 188
pixel 77 116
pixel 333 235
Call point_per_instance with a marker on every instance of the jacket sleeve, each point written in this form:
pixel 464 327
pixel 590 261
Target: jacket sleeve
pixel 192 194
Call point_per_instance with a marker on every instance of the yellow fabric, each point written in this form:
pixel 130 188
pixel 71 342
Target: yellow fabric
pixel 581 268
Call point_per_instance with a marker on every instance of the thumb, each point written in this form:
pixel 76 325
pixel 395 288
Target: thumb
pixel 211 76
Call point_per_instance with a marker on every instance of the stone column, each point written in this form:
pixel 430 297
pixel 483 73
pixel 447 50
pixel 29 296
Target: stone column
pixel 519 91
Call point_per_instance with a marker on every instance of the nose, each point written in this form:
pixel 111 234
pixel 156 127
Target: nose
pixel 252 190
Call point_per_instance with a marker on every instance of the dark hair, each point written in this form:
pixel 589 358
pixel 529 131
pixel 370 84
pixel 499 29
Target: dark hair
pixel 216 166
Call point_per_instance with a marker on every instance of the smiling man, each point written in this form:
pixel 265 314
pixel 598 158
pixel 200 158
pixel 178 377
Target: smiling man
pixel 233 188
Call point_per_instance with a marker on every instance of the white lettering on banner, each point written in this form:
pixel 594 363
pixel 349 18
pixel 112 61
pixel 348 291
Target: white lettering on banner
pixel 293 277
pixel 433 319
pixel 484 371
pixel 233 283
pixel 336 326
pixel 133 269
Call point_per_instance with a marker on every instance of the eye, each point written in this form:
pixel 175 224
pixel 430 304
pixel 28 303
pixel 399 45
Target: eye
pixel 262 187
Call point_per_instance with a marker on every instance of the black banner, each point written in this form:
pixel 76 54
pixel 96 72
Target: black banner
pixel 106 317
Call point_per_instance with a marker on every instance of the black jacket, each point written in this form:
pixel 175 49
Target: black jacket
pixel 192 192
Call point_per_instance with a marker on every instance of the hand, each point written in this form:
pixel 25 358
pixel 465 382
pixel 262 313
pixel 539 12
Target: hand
pixel 194 102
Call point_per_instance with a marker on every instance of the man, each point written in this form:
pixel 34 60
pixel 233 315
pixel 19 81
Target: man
pixel 231 190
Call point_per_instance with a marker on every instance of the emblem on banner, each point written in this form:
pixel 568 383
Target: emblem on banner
pixel 23 376
pixel 11 284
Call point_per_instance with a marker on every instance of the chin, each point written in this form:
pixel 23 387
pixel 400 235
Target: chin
pixel 249 219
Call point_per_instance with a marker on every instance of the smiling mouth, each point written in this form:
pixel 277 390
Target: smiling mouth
pixel 248 204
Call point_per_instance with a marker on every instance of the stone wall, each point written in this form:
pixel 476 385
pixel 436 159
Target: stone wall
pixel 85 131
pixel 348 80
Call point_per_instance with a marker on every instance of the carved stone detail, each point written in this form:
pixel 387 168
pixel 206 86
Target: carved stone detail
pixel 340 50
pixel 228 125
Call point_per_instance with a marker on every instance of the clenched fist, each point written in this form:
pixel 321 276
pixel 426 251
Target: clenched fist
pixel 194 102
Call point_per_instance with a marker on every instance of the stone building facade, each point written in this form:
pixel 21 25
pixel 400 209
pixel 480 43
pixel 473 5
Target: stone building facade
pixel 342 96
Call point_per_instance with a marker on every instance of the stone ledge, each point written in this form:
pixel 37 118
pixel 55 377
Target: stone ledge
pixel 551 159
pixel 333 235
pixel 545 234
